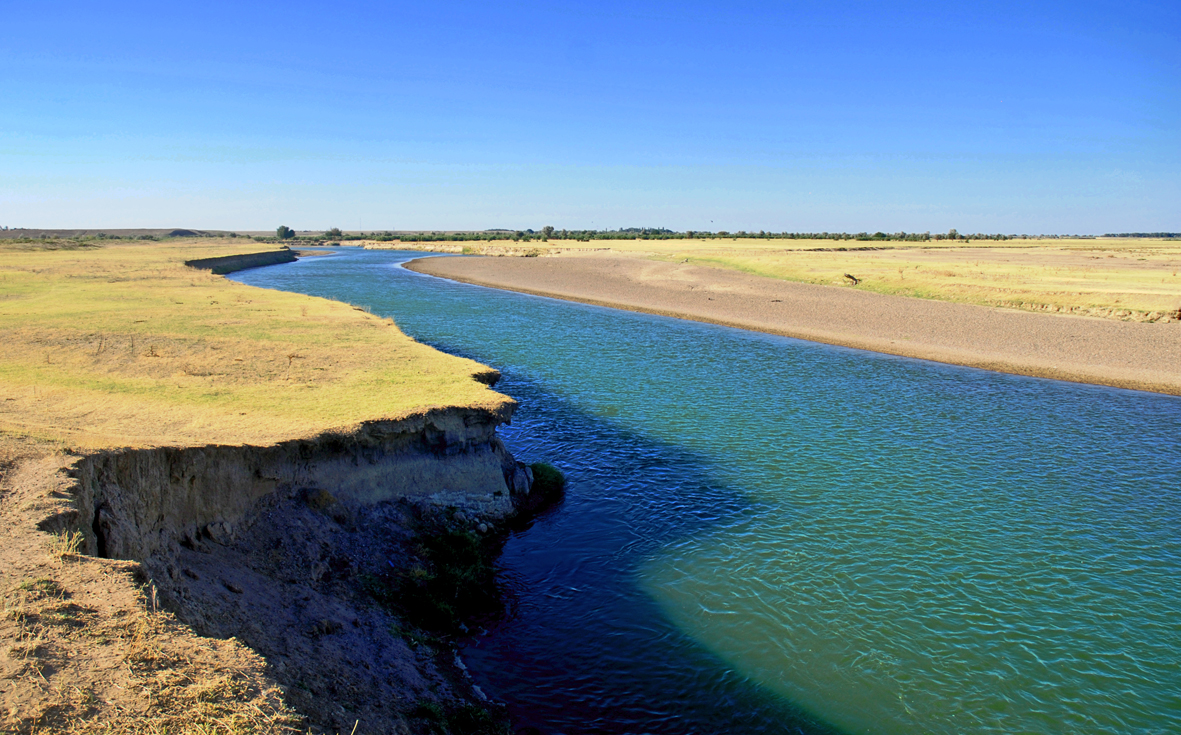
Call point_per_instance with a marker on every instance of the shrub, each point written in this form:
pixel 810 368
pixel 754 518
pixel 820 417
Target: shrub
pixel 455 582
pixel 468 719
pixel 548 481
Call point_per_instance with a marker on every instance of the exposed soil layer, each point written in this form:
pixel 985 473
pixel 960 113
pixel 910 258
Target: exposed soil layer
pixel 1105 352
pixel 262 586
pixel 294 585
pixel 84 647
pixel 231 263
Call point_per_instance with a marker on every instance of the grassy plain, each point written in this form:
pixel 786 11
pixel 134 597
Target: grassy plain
pixel 1127 278
pixel 123 345
pixel 1133 279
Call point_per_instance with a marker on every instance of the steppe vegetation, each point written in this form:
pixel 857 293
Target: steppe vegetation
pixel 114 343
pixel 1132 278
pixel 1136 279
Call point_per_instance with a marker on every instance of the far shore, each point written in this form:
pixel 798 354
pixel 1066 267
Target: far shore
pixel 1138 356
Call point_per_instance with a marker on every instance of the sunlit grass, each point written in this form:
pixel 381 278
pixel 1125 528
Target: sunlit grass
pixel 125 345
pixel 1129 279
pixel 1134 278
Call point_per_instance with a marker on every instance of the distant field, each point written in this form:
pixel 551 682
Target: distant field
pixel 1126 279
pixel 124 345
pixel 1134 279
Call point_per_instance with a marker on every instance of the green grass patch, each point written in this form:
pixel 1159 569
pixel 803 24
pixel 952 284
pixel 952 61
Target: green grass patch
pixel 450 582
pixel 548 480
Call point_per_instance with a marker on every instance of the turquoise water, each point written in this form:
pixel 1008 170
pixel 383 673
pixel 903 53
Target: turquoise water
pixel 768 535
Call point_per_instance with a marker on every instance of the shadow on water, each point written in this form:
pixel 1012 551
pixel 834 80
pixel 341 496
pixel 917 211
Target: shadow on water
pixel 767 535
pixel 582 648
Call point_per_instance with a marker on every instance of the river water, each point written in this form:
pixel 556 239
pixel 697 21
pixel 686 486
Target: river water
pixel 766 535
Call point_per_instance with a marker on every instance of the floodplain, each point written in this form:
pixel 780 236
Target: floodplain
pixel 1134 279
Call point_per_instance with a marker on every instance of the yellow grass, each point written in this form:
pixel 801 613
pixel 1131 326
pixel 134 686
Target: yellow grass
pixel 124 345
pixel 1126 279
pixel 1132 279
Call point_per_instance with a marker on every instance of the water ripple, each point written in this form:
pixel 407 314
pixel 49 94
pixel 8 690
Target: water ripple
pixel 767 535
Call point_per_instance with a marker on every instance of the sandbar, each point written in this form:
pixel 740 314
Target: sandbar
pixel 1138 356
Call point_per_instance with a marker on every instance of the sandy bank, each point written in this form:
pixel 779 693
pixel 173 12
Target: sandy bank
pixel 1120 354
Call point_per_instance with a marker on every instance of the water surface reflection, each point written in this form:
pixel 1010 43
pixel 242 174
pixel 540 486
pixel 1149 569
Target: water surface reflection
pixel 759 527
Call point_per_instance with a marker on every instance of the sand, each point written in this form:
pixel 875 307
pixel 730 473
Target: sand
pixel 1087 350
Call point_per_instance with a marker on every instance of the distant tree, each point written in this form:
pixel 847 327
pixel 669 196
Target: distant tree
pixel 952 234
pixel 547 232
pixel 334 232
pixel 284 232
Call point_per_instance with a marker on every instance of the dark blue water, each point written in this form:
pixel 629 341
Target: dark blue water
pixel 768 535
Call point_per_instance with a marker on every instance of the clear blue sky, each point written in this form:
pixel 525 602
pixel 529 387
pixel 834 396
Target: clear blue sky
pixel 997 117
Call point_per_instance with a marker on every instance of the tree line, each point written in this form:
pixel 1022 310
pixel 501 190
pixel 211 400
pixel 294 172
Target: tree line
pixel 1154 235
pixel 548 233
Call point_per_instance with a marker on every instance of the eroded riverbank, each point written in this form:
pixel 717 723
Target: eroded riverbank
pixel 235 508
pixel 758 524
pixel 314 554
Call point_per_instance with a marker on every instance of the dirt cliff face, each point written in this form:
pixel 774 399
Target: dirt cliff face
pixel 134 504
pixel 282 547
pixel 231 263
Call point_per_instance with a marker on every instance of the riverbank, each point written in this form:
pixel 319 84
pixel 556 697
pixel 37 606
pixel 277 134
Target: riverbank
pixel 216 500
pixel 1140 356
pixel 1128 279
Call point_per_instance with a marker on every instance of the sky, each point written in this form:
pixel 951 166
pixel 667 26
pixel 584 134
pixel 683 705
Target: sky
pixel 1022 117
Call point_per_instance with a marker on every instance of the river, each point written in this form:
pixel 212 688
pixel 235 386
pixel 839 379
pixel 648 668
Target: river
pixel 767 535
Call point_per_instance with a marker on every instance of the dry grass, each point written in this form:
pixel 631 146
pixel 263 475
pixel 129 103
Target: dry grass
pixel 1134 279
pixel 184 698
pixel 1126 279
pixel 1131 279
pixel 65 545
pixel 161 682
pixel 124 345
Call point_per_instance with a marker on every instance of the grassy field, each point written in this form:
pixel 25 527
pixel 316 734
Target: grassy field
pixel 1133 279
pixel 1126 279
pixel 123 345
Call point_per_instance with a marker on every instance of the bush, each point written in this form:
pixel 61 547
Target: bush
pixel 456 581
pixel 468 719
pixel 548 481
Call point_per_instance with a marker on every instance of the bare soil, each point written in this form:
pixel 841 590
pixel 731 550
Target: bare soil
pixel 1143 356
pixel 268 626
pixel 86 649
